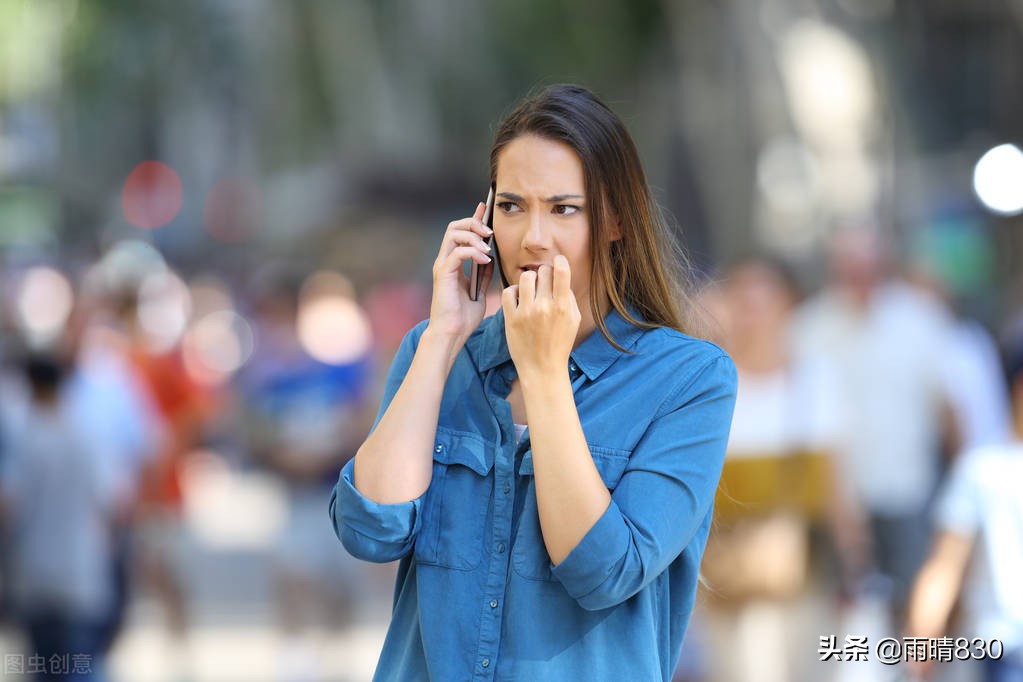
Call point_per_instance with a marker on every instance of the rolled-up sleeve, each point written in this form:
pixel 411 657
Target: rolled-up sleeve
pixel 368 530
pixel 664 496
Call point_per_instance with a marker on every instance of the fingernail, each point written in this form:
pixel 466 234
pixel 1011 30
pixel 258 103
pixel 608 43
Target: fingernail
pixel 486 247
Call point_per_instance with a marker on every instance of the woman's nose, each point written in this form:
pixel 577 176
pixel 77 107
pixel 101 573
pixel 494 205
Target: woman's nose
pixel 538 236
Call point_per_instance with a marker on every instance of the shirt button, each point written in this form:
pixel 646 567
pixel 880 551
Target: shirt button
pixel 439 448
pixel 485 662
pixel 507 488
pixel 500 548
pixel 493 603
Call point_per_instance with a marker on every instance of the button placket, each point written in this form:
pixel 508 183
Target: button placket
pixel 504 474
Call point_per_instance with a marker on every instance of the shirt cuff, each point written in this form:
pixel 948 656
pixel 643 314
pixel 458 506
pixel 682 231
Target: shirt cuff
pixel 597 556
pixel 382 525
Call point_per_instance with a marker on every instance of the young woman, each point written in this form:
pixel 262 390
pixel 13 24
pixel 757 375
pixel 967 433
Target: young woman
pixel 546 475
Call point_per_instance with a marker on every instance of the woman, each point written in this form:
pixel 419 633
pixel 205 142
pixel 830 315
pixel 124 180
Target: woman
pixel 546 475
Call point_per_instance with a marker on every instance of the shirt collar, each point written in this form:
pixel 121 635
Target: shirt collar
pixel 489 346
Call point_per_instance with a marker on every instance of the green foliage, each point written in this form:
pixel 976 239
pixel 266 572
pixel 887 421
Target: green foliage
pixel 600 43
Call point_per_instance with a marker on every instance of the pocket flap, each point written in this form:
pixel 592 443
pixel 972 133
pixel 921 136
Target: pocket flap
pixel 467 449
pixel 610 464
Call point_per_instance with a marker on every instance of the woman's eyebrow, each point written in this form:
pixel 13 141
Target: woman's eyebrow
pixel 511 196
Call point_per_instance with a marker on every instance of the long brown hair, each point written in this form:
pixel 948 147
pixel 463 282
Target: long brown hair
pixel 645 268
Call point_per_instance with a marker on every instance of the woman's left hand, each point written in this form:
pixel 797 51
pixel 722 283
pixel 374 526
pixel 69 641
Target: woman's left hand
pixel 541 318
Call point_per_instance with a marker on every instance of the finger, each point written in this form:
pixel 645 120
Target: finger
pixel 453 261
pixel 527 286
pixel 475 223
pixel 544 282
pixel 463 238
pixel 469 253
pixel 468 225
pixel 461 232
pixel 510 299
pixel 562 278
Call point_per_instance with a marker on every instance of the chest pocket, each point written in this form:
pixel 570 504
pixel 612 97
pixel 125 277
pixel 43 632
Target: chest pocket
pixel 457 502
pixel 529 553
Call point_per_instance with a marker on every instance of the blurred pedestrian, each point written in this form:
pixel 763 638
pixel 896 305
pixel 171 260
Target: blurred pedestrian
pixel 181 408
pixel 971 370
pixel 978 548
pixel 885 341
pixel 304 419
pixel 766 568
pixel 59 496
pixel 107 393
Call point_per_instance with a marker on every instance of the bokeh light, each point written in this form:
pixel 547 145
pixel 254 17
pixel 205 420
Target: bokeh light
pixel 152 195
pixel 998 179
pixel 43 305
pixel 332 327
pixel 216 346
pixel 829 84
pixel 163 309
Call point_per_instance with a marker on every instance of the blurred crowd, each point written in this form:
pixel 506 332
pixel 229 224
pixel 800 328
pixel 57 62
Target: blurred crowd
pixel 861 411
pixel 130 392
pixel 126 392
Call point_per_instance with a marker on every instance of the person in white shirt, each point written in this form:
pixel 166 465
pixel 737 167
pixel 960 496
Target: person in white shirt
pixel 978 549
pixel 885 340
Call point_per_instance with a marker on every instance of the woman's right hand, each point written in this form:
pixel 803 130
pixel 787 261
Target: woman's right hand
pixel 453 314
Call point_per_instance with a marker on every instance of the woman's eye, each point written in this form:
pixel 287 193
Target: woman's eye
pixel 565 209
pixel 508 207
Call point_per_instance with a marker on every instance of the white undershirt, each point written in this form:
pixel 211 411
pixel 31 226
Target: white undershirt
pixel 519 430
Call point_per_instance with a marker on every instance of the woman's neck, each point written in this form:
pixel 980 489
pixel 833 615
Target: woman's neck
pixel 588 321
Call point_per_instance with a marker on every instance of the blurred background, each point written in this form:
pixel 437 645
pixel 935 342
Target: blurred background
pixel 218 219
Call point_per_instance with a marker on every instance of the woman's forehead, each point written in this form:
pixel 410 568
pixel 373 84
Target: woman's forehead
pixel 532 166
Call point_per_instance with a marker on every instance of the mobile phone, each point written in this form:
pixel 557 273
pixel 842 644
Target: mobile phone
pixel 475 275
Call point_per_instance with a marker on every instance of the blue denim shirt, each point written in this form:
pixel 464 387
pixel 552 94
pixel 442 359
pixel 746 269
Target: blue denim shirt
pixel 477 597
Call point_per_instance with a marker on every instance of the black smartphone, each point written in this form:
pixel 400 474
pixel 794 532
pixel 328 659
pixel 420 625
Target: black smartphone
pixel 476 277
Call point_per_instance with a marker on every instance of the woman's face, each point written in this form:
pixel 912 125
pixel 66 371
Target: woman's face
pixel 541 211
